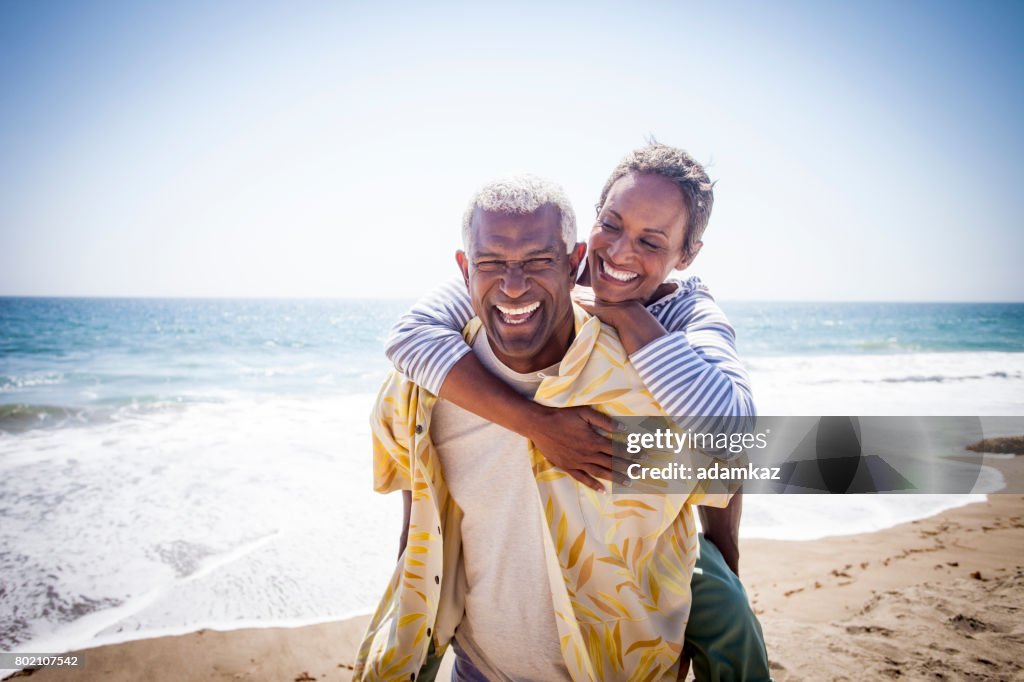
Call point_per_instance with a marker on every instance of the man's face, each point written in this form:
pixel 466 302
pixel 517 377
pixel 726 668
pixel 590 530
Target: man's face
pixel 519 278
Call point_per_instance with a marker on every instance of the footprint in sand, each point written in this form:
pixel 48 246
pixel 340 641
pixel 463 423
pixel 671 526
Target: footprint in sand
pixel 969 624
pixel 869 630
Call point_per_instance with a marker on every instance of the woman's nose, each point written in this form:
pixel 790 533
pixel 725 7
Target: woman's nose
pixel 618 250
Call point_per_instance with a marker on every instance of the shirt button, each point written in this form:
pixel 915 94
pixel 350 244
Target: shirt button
pixel 419 428
pixel 437 580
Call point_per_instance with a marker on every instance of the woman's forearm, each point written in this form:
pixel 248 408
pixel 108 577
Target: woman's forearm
pixel 569 437
pixel 690 363
pixel 473 388
pixel 427 341
pixel 635 324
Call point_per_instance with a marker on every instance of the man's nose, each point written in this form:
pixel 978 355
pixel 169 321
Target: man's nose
pixel 514 282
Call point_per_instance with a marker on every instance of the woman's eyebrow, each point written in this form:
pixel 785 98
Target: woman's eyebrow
pixel 656 230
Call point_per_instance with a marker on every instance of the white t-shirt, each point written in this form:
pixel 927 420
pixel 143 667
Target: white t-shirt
pixel 508 629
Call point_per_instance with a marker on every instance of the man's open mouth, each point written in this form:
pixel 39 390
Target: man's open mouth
pixel 518 314
pixel 616 274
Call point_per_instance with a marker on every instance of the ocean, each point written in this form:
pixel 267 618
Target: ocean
pixel 173 464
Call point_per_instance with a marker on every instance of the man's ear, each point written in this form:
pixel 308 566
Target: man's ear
pixel 463 261
pixel 576 259
pixel 686 259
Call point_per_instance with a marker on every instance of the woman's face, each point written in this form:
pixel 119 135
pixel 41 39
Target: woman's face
pixel 638 238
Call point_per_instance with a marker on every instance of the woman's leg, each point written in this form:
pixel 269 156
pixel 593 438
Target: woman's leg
pixel 723 637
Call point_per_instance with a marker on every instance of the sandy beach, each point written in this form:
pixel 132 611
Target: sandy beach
pixel 936 599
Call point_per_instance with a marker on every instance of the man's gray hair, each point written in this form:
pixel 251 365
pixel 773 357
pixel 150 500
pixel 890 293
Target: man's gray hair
pixel 520 194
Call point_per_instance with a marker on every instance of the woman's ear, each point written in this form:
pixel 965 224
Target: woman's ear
pixel 686 258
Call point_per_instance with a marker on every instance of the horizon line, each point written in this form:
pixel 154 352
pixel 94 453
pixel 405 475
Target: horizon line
pixel 413 298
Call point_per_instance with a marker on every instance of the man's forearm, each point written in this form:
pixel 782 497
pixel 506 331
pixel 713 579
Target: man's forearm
pixel 722 527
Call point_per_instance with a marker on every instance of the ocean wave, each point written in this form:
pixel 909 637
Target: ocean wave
pixel 14 383
pixel 889 344
pixel 36 583
pixel 919 383
pixel 940 378
pixel 17 418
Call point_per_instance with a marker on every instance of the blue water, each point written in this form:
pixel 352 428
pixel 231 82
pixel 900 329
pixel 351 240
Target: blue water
pixel 168 465
pixel 65 360
pixel 765 329
pixel 73 360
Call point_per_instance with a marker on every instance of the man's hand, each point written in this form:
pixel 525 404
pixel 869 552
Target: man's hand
pixel 571 438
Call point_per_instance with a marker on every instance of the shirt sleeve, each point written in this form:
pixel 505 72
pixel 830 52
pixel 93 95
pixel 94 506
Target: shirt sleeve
pixel 391 427
pixel 426 342
pixel 694 371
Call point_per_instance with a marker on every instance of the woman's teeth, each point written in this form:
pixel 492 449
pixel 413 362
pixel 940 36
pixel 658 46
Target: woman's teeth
pixel 620 275
pixel 517 315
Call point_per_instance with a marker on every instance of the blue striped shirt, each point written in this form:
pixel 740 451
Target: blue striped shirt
pixel 693 371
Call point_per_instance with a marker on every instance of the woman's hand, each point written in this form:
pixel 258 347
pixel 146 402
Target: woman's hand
pixel 636 325
pixel 573 439
pixel 609 313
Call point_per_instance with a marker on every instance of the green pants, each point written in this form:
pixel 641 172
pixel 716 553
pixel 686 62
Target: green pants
pixel 723 638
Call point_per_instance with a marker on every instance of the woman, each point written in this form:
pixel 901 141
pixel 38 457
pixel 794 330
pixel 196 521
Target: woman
pixel 652 213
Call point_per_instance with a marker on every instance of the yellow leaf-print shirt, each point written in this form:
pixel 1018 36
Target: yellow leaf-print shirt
pixel 619 565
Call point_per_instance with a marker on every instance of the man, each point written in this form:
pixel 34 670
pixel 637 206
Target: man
pixel 530 574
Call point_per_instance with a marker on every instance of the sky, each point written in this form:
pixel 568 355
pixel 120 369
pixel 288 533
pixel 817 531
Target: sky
pixel 862 151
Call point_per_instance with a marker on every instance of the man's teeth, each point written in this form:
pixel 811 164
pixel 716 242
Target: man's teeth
pixel 621 275
pixel 517 315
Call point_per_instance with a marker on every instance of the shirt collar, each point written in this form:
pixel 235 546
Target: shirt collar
pixel 587 328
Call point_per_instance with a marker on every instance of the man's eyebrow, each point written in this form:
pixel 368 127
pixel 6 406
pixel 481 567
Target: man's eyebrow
pixel 546 251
